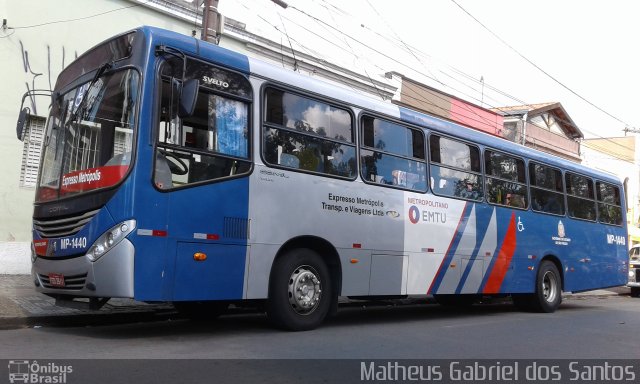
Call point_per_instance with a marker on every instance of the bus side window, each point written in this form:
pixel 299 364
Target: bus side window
pixel 307 134
pixel 458 166
pixel 580 197
pixel 547 192
pixel 211 143
pixel 609 203
pixel 505 180
pixel 393 154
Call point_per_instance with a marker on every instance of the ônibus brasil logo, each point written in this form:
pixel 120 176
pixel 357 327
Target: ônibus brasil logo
pixel 25 371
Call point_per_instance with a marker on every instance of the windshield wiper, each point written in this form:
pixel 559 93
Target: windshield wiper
pixel 101 71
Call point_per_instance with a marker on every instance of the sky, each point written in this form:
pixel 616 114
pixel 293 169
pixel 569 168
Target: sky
pixel 583 54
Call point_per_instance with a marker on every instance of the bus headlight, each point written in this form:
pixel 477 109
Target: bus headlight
pixel 110 239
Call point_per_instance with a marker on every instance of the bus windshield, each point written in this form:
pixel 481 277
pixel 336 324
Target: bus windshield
pixel 89 136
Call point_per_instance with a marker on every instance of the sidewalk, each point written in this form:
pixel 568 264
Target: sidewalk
pixel 21 306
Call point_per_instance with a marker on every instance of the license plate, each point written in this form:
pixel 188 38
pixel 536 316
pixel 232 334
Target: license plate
pixel 56 280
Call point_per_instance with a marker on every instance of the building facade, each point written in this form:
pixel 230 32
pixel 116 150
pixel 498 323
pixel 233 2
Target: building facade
pixel 545 126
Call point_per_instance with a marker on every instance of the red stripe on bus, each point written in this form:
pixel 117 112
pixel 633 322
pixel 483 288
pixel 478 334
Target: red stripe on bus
pixel 503 260
pixel 92 178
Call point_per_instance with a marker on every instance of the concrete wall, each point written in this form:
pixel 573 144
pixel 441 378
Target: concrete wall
pixel 32 57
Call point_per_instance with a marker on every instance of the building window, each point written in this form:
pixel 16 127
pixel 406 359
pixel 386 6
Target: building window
pixel 33 136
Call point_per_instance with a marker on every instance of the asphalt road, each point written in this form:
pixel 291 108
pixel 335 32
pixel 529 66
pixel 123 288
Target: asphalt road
pixel 585 327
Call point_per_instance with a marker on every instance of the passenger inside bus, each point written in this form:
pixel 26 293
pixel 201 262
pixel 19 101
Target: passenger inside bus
pixel 468 190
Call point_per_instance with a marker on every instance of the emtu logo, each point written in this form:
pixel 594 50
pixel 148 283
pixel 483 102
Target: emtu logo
pixel 414 214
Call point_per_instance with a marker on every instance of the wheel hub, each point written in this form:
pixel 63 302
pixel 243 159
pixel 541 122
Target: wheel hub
pixel 549 287
pixel 304 290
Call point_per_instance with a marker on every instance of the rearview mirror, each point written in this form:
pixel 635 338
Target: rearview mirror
pixel 22 122
pixel 188 98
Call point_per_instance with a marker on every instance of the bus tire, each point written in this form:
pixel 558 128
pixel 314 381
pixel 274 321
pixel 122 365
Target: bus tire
pixel 300 292
pixel 201 310
pixel 548 294
pixel 635 291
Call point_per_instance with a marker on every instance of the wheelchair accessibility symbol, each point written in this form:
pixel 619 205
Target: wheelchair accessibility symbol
pixel 520 225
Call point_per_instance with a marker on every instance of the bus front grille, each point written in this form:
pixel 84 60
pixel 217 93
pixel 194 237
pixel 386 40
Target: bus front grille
pixel 63 227
pixel 71 283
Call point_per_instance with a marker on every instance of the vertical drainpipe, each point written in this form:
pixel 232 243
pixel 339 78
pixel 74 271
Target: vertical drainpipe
pixel 524 128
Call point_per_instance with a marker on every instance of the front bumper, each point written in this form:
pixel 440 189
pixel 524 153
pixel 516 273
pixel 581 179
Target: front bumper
pixel 109 276
pixel 634 275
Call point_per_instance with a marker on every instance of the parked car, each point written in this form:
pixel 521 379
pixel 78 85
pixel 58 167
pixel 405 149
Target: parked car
pixel 634 270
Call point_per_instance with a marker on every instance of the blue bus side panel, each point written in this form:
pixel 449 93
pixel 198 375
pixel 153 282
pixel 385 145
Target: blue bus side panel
pixel 219 277
pixel 589 258
pixel 211 219
pixel 200 220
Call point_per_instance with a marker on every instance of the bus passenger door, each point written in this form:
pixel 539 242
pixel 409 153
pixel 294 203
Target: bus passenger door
pixel 202 163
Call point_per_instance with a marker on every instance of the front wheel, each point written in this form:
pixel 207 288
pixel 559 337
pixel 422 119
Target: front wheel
pixel 300 291
pixel 548 294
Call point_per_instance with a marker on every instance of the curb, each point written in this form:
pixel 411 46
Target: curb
pixel 88 319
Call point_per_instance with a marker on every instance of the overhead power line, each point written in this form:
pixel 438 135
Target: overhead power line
pixel 412 51
pixel 539 68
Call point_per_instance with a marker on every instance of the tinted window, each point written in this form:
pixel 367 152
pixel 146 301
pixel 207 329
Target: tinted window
pixel 609 207
pixel 213 142
pixel 580 197
pixel 454 154
pixel 307 115
pixel 390 137
pixel 393 154
pixel 308 134
pixel 506 181
pixel 546 189
pixel 455 168
pixel 545 177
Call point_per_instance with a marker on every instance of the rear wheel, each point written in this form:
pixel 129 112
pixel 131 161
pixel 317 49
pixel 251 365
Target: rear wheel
pixel 548 294
pixel 300 293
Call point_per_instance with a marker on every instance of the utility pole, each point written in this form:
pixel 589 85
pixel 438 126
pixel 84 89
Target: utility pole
pixel 210 22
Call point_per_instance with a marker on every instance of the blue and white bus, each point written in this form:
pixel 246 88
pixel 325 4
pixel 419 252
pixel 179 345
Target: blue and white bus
pixel 174 170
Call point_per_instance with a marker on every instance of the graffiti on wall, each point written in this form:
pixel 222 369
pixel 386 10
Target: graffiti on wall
pixel 37 76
